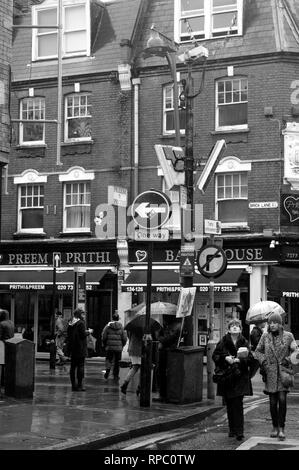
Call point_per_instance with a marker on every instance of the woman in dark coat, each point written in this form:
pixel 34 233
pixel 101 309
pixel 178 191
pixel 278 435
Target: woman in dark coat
pixel 77 348
pixel 225 356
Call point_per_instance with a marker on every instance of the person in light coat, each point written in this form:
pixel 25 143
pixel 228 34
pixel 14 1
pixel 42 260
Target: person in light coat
pixel 273 349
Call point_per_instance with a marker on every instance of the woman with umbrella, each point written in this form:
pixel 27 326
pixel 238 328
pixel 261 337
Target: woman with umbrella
pixel 272 352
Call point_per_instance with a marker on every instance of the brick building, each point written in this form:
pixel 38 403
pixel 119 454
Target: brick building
pixel 115 106
pixel 6 11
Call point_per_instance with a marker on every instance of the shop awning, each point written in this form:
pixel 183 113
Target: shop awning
pixel 164 280
pixel 283 281
pixel 40 279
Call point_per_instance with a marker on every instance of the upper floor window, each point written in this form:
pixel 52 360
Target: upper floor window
pixel 32 109
pixel 76 207
pixel 168 110
pixel 231 103
pixel 232 192
pixel 31 208
pixel 207 19
pixel 232 198
pixel 75 29
pixel 77 117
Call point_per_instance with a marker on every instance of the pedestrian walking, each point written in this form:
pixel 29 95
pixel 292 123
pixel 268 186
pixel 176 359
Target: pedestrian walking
pixel 255 336
pixel 168 339
pixel 233 358
pixel 134 351
pixel 114 338
pixel 77 348
pixel 60 337
pixel 272 352
pixel 7 330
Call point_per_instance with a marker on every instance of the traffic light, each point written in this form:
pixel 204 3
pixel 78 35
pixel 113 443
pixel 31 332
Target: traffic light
pixel 169 158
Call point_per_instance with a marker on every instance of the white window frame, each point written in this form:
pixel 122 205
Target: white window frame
pixel 169 110
pixel 217 105
pixel 48 5
pixel 230 166
pixel 67 119
pixel 41 109
pixel 74 175
pixel 207 12
pixel 21 209
pixel 65 206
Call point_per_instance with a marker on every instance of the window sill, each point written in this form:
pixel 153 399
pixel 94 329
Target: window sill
pixel 77 142
pixel 20 235
pixel 75 234
pixel 31 146
pixel 231 131
pixel 170 136
pixel 240 228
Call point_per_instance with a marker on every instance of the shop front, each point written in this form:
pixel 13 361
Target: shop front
pixel 28 284
pixel 283 286
pixel 242 284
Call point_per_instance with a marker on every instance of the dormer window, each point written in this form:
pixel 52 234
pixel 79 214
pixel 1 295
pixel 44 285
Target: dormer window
pixel 75 29
pixel 207 19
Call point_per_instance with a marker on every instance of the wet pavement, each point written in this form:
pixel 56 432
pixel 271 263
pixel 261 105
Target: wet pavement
pixel 57 418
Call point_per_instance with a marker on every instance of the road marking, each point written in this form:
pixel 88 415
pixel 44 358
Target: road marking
pixel 292 444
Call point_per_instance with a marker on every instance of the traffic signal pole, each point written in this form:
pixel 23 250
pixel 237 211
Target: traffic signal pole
pixel 147 341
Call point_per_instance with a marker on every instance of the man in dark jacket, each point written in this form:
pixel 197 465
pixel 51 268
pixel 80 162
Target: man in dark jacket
pixel 77 348
pixel 114 339
pixel 7 331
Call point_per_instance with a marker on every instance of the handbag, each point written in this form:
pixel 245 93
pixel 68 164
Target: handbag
pixel 286 376
pixel 226 376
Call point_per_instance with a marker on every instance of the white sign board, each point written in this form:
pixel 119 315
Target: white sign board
pixel 263 205
pixel 117 196
pixel 213 227
pixel 185 302
pixel 161 235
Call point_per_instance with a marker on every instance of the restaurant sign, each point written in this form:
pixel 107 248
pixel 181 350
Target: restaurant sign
pixel 290 209
pixel 234 254
pixel 67 258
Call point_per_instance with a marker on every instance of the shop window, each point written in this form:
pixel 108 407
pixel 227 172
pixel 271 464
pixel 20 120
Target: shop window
pixel 77 118
pixel 231 104
pixel 168 110
pixel 76 207
pixel 32 133
pixel 232 199
pixel 31 208
pixel 75 29
pixel 207 19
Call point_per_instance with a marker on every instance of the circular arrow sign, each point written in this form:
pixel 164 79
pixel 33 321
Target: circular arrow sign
pixel 151 209
pixel 211 261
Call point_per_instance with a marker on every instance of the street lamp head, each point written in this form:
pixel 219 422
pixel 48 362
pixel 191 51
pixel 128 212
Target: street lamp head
pixel 196 53
pixel 157 46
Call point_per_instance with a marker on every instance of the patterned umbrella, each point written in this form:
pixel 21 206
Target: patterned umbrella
pixel 161 308
pixel 261 311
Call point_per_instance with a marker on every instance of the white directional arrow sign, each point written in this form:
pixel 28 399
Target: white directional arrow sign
pixel 151 210
pixel 145 210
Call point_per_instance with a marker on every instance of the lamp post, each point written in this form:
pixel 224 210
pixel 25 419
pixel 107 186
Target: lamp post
pixel 160 45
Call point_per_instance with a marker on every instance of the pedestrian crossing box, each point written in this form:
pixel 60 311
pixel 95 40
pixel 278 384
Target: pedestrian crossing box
pixel 19 368
pixel 184 374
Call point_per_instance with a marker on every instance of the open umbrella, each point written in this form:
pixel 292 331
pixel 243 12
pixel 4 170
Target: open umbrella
pixel 135 319
pixel 161 308
pixel 261 311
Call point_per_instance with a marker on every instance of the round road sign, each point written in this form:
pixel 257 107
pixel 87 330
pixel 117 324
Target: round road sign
pixel 151 209
pixel 211 261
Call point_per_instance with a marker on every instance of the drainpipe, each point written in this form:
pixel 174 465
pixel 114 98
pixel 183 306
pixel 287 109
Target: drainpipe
pixel 136 82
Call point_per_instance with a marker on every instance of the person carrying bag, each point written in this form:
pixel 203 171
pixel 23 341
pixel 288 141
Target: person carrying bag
pixel 272 352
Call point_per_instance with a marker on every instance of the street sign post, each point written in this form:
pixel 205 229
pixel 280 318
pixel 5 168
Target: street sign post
pixel 150 211
pixel 211 263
